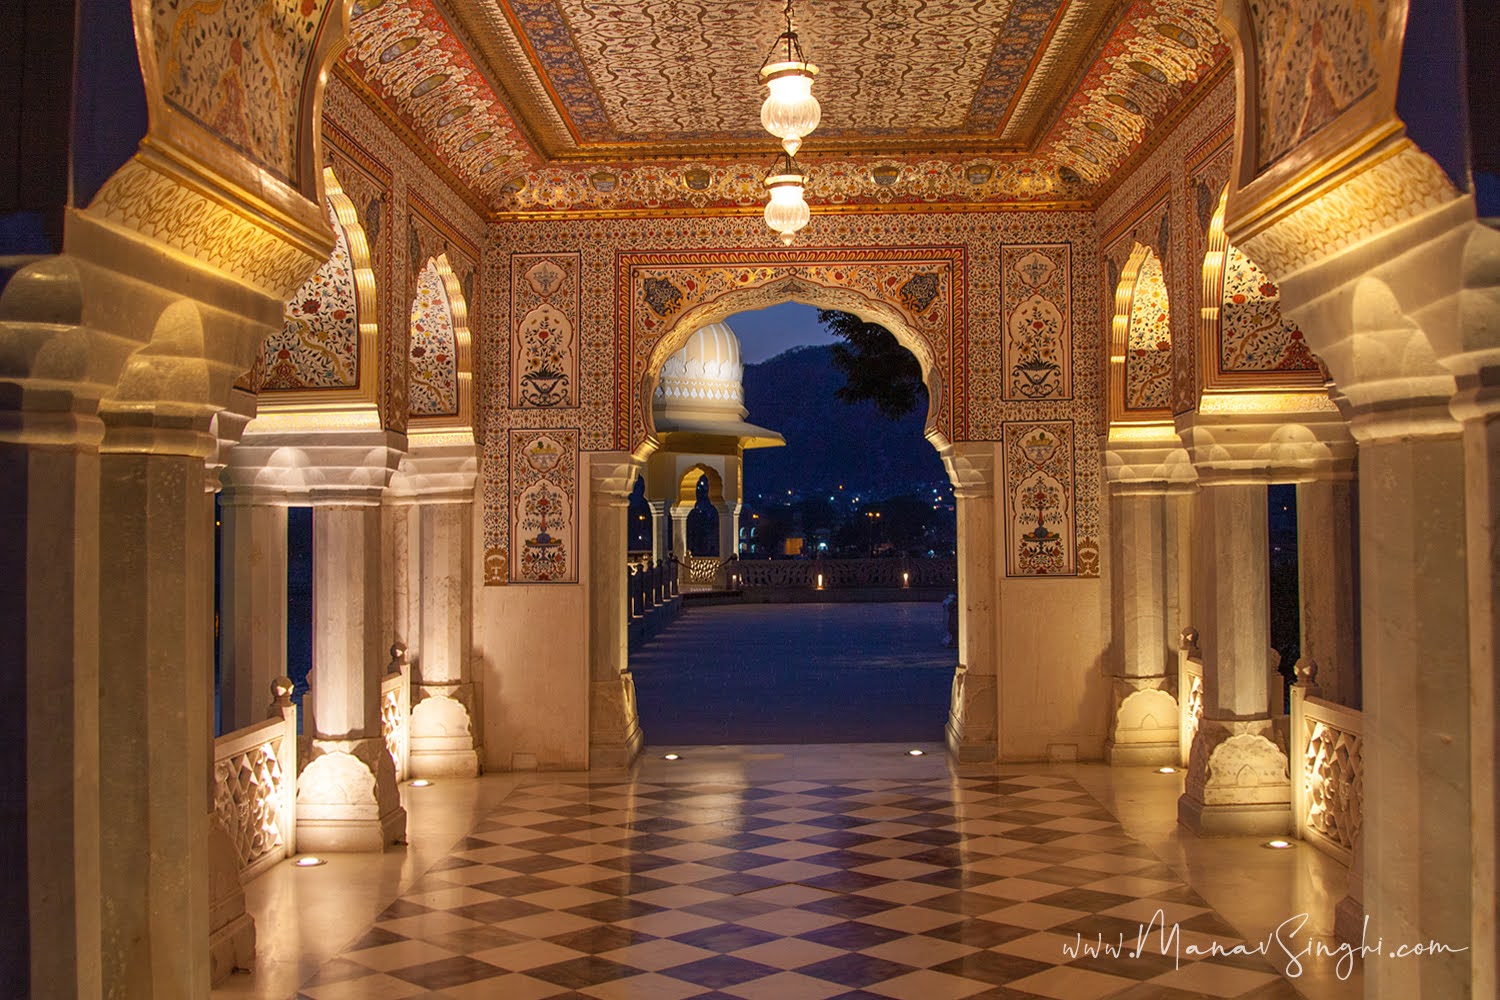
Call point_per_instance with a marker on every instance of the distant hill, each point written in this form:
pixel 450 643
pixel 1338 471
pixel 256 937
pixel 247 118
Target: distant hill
pixel 830 442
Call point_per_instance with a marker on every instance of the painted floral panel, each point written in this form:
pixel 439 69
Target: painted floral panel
pixel 1253 335
pixel 544 505
pixel 1148 348
pixel 434 348
pixel 1035 295
pixel 1040 504
pixel 318 345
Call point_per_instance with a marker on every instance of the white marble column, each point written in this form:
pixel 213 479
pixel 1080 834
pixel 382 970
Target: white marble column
pixel 1237 780
pixel 155 744
pixel 679 514
pixel 50 806
pixel 252 603
pixel 729 529
pixel 1478 406
pixel 1149 473
pixel 973 730
pixel 346 795
pixel 661 530
pixel 615 737
pixel 442 718
pixel 1328 575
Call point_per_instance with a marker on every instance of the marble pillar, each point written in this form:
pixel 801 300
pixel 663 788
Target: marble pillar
pixel 615 737
pixel 442 718
pixel 972 732
pixel 729 529
pixel 1414 574
pixel 347 798
pixel 1477 405
pixel 1149 472
pixel 155 742
pixel 252 603
pixel 679 514
pixel 1237 780
pixel 1328 575
pixel 661 530
pixel 50 805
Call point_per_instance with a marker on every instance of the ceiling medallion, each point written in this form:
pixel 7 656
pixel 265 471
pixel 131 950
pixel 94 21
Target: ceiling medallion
pixel 790 112
pixel 787 210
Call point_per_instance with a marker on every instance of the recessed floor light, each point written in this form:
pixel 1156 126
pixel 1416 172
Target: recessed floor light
pixel 1166 770
pixel 915 753
pixel 309 861
pixel 670 756
pixel 421 783
pixel 1277 844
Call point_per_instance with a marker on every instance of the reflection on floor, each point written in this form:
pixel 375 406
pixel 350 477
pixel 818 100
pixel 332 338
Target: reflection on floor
pixel 800 873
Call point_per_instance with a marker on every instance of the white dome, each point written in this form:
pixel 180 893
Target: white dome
pixel 706 372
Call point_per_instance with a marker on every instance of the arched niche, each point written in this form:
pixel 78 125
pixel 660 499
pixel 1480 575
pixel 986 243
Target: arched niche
pixel 1244 341
pixel 1140 358
pixel 327 350
pixel 439 363
pixel 687 486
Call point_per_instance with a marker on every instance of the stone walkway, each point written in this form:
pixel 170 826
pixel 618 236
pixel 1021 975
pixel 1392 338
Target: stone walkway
pixel 796 673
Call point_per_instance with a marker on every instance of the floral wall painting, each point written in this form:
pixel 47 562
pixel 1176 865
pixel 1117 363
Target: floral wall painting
pixel 318 345
pixel 1141 342
pixel 1035 283
pixel 544 343
pixel 434 362
pixel 1040 507
pixel 544 531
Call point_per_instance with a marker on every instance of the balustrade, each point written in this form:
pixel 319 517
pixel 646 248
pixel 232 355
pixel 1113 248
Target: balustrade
pixel 1190 687
pixel 395 710
pixel 1328 769
pixel 255 786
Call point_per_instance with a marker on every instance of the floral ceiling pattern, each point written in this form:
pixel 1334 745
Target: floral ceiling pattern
pixel 648 104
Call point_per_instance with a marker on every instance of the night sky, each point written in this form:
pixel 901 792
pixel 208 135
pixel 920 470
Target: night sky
pixel 766 333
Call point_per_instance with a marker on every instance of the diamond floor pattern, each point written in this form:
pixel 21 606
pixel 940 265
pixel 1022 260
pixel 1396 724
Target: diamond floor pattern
pixel 961 887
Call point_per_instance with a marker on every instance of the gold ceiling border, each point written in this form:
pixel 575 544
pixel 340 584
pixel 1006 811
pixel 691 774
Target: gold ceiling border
pixel 748 211
pixel 409 138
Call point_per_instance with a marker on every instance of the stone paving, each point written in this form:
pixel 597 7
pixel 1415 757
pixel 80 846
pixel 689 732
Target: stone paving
pixel 796 673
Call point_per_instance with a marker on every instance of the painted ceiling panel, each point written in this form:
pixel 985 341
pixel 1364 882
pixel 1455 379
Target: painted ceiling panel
pixel 548 105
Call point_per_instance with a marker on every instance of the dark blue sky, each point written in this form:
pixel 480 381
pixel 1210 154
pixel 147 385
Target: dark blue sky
pixel 765 333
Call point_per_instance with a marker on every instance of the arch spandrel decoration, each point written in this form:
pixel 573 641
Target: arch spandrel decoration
pixel 919 294
pixel 236 84
pixel 1244 342
pixel 440 364
pixel 1141 343
pixel 327 351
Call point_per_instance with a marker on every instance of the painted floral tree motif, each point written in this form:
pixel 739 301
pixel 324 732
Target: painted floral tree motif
pixel 318 345
pixel 1148 348
pixel 546 341
pixel 1038 355
pixel 544 475
pixel 434 347
pixel 544 509
pixel 1040 521
pixel 544 355
pixel 1253 335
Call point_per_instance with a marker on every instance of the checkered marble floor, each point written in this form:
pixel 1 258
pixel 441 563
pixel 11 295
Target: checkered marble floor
pixel 938 889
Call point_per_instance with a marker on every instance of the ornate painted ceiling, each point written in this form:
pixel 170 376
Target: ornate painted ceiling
pixel 614 105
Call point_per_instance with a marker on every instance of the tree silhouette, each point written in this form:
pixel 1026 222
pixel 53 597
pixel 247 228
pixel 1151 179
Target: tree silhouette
pixel 875 366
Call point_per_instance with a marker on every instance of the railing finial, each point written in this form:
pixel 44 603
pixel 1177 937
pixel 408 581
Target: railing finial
pixel 281 696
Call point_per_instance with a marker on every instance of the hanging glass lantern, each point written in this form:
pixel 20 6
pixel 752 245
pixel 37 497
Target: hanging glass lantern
pixel 787 211
pixel 790 111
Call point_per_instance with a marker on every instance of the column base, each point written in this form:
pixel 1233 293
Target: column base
pixel 1237 781
pixel 971 733
pixel 442 740
pixel 615 737
pixel 1145 729
pixel 346 805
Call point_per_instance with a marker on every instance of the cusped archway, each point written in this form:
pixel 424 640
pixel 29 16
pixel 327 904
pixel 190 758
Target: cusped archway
pixel 1141 343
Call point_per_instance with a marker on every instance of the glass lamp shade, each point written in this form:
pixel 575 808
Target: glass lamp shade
pixel 786 212
pixel 790 110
